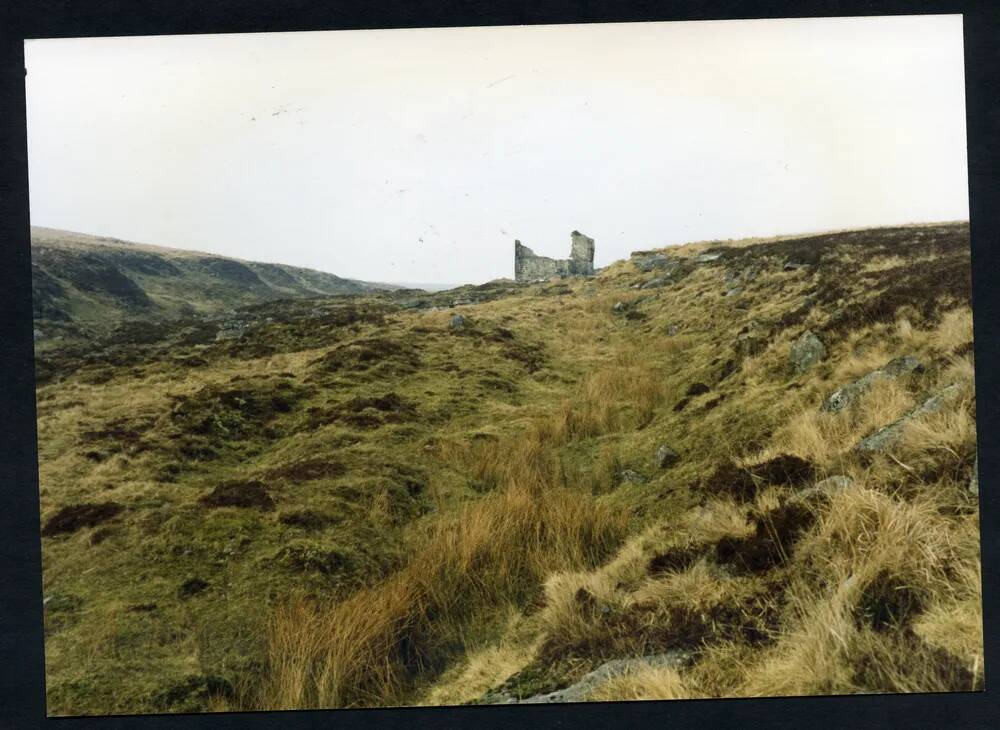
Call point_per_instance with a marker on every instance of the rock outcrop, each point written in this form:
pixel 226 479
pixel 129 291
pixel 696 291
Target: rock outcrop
pixel 530 267
pixel 580 691
pixel 852 392
pixel 887 436
pixel 806 352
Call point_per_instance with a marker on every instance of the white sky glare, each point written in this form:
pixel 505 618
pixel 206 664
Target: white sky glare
pixel 420 155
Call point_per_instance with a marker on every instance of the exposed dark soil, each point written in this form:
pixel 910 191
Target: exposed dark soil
pixel 76 516
pixel 785 469
pixel 697 389
pixel 775 535
pixel 250 494
pixel 675 560
pixel 360 355
pixel 888 603
pixel 306 519
pixel 192 587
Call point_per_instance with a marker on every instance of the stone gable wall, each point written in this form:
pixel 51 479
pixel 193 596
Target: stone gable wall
pixel 530 267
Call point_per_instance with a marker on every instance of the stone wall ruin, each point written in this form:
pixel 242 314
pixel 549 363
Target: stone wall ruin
pixel 529 267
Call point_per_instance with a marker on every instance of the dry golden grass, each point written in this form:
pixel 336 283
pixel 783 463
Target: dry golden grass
pixel 653 683
pixel 496 550
pixel 869 551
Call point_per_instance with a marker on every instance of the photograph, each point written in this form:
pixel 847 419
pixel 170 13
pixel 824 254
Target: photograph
pixel 511 364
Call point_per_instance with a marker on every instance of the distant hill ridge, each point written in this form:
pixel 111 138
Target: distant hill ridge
pixel 81 281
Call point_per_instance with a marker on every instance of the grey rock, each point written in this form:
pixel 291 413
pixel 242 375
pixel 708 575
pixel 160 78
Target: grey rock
pixel 629 476
pixel 794 266
pixel 974 482
pixel 457 322
pixel 887 436
pixel 825 488
pixel 656 283
pixel 806 352
pixel 666 456
pixel 38 334
pixel 648 262
pixel 852 392
pixel 672 330
pixel 581 690
pixel 903 366
pixel 620 307
pixel 707 258
pixel 734 291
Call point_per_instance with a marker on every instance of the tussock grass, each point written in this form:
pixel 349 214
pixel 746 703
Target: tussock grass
pixel 875 564
pixel 363 650
pixel 653 683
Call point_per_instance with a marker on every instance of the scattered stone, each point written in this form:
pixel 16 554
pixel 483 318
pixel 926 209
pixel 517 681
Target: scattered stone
pixel 38 334
pixel 629 476
pixel 806 352
pixel 887 436
pixel 825 488
pixel 794 266
pixel 620 307
pixel 707 258
pixel 652 261
pixel 672 330
pixel 457 322
pixel 974 482
pixel 666 456
pixel 582 689
pixel 850 393
pixel 903 366
pixel 656 283
pixel 733 292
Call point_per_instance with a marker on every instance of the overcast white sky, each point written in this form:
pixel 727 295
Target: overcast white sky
pixel 420 155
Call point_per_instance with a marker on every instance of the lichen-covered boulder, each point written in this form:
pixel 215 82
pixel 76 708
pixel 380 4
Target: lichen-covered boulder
pixel 806 352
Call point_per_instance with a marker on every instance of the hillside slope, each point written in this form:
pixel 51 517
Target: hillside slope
pixel 83 283
pixel 728 469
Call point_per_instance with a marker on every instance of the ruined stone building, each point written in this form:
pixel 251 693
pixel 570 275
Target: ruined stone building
pixel 529 267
